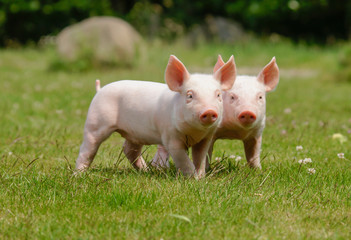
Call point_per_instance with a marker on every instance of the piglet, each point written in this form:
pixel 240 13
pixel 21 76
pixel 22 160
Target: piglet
pixel 244 114
pixel 184 113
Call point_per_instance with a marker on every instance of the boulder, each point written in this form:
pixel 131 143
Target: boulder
pixel 216 29
pixel 103 39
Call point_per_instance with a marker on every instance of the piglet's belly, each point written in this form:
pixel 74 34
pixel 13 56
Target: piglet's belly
pixel 140 138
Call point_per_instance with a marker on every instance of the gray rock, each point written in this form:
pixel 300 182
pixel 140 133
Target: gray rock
pixel 103 39
pixel 216 29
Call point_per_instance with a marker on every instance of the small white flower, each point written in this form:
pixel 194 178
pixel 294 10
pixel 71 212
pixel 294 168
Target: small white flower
pixel 341 155
pixel 59 111
pixel 217 158
pixel 311 171
pixel 287 110
pixel 231 156
pixel 10 153
pixel 238 158
pixel 305 161
pixel 299 148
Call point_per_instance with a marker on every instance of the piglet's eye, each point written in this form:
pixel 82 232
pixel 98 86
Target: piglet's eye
pixel 189 96
pixel 260 97
pixel 233 98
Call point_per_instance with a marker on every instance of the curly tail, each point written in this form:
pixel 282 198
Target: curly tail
pixel 97 85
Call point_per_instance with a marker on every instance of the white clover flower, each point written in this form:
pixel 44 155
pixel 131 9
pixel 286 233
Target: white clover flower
pixel 305 161
pixel 287 110
pixel 231 156
pixel 341 155
pixel 10 153
pixel 217 158
pixel 238 158
pixel 299 148
pixel 311 171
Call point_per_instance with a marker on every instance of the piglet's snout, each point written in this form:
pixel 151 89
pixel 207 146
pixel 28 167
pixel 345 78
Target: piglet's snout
pixel 208 117
pixel 247 117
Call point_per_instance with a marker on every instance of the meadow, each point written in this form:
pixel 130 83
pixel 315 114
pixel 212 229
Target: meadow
pixel 42 114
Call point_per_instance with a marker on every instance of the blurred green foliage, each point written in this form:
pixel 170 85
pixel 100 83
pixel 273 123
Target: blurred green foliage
pixel 22 21
pixel 343 71
pixel 321 21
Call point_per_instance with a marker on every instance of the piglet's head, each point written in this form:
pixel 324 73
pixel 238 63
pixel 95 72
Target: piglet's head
pixel 245 103
pixel 200 96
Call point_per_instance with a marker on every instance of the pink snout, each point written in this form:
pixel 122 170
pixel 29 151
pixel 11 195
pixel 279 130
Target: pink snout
pixel 247 117
pixel 208 117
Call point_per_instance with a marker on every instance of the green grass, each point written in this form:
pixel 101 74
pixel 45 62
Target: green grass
pixel 42 113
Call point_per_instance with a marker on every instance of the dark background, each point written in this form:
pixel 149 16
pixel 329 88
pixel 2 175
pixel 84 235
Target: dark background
pixel 312 21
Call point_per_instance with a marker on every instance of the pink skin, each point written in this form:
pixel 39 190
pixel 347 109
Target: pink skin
pixel 184 113
pixel 244 113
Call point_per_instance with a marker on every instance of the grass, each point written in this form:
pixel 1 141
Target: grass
pixel 42 116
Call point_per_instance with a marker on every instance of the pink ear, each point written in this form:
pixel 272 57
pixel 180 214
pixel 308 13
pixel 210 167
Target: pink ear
pixel 175 74
pixel 219 64
pixel 269 75
pixel 226 74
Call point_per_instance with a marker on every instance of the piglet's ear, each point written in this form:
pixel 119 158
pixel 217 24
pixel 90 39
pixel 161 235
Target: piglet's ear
pixel 226 74
pixel 219 64
pixel 269 75
pixel 176 74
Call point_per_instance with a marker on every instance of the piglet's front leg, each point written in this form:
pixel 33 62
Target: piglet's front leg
pixel 178 151
pixel 199 153
pixel 252 151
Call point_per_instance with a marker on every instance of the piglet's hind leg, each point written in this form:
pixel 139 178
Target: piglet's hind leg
pixel 133 153
pixel 161 158
pixel 91 143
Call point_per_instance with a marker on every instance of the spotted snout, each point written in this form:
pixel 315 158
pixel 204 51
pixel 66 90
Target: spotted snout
pixel 208 117
pixel 247 117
